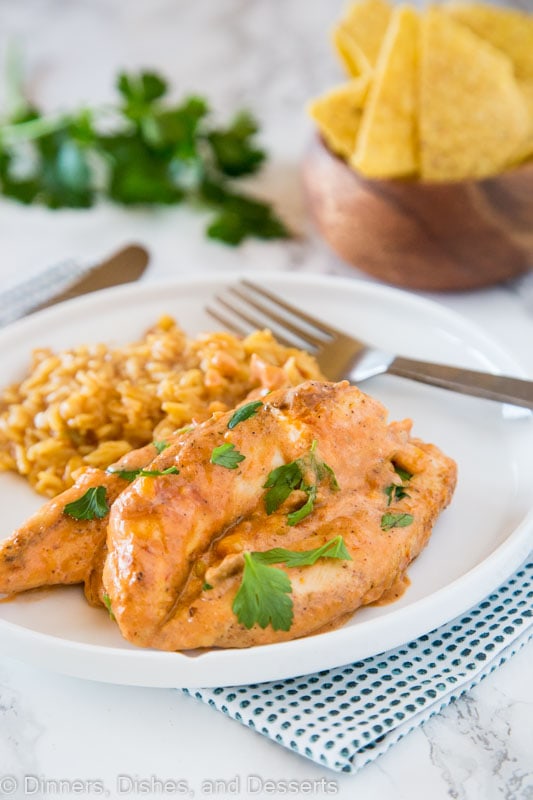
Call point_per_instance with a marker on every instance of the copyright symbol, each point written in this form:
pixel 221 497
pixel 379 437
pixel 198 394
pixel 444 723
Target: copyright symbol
pixel 8 785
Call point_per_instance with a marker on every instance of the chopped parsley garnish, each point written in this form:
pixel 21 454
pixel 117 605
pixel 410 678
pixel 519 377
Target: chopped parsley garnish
pixel 396 491
pixel 160 446
pixel 264 594
pixel 185 429
pixel 335 548
pixel 390 520
pixel 244 412
pixel 404 475
pixel 131 474
pixel 301 513
pixel 292 476
pixel 206 587
pixel 91 505
pixel 280 483
pixel 107 603
pixel 225 455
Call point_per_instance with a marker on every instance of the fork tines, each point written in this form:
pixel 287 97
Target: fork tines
pixel 259 308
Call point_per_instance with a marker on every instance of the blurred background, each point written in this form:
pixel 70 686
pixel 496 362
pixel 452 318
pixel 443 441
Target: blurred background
pixel 270 56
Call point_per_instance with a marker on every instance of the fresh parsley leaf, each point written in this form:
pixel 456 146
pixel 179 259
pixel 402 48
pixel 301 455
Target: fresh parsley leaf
pixel 294 517
pixel 404 475
pixel 323 471
pixel 125 474
pixel 131 474
pixel 139 92
pixel 244 412
pixel 185 429
pixel 233 148
pixel 179 129
pixel 91 505
pixel 395 492
pixel 155 473
pixel 335 548
pixel 285 479
pixel 280 483
pixel 263 596
pixel 25 190
pixel 137 175
pixel 246 218
pixel 65 174
pixel 107 603
pixel 160 445
pixel 225 455
pixel 390 520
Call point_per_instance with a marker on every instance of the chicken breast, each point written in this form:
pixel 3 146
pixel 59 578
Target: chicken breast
pixel 53 548
pixel 178 542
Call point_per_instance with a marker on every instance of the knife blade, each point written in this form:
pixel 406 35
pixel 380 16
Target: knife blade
pixel 64 281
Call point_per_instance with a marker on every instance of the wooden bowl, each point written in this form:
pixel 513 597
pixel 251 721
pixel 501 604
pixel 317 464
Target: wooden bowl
pixel 419 235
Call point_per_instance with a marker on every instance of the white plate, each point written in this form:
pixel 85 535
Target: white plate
pixel 484 535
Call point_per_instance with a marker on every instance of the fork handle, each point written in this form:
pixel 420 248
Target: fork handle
pixel 467 381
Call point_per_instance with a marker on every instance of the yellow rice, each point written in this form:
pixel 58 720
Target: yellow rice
pixel 89 405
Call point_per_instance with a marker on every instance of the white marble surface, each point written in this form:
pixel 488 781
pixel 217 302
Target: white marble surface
pixel 270 55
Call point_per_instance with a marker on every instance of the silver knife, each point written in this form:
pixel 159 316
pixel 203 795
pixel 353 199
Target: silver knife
pixel 69 279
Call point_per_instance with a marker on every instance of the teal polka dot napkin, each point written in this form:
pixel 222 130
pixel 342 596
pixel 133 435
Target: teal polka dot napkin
pixel 346 717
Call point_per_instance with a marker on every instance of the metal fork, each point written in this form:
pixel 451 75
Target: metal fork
pixel 342 356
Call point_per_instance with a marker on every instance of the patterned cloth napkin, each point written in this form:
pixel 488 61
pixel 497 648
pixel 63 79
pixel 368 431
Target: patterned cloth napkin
pixel 345 718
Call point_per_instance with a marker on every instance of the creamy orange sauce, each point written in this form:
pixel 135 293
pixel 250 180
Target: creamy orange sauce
pixel 28 595
pixel 394 593
pixel 8 598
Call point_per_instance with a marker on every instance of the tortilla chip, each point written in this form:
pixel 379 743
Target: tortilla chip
pixel 473 116
pixel 350 53
pixel 525 149
pixel 358 36
pixel 387 141
pixel 338 115
pixel 509 30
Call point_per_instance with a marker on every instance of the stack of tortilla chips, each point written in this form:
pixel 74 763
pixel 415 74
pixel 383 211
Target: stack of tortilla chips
pixel 441 95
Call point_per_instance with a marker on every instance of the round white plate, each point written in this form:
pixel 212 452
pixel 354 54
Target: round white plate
pixel 484 535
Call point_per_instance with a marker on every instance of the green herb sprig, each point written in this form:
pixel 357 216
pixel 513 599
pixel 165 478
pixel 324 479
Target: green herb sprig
pixel 225 455
pixel 91 505
pixel 390 520
pixel 131 474
pixel 264 594
pixel 144 150
pixel 283 480
pixel 396 492
pixel 243 413
pixel 160 445
pixel 107 603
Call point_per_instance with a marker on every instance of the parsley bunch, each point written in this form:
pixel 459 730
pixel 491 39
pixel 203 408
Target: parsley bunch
pixel 143 151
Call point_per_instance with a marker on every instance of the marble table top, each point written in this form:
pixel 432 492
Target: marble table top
pixel 271 56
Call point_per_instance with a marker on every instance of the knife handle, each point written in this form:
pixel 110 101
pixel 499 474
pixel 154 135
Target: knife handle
pixel 22 298
pixel 124 266
pixel 70 279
